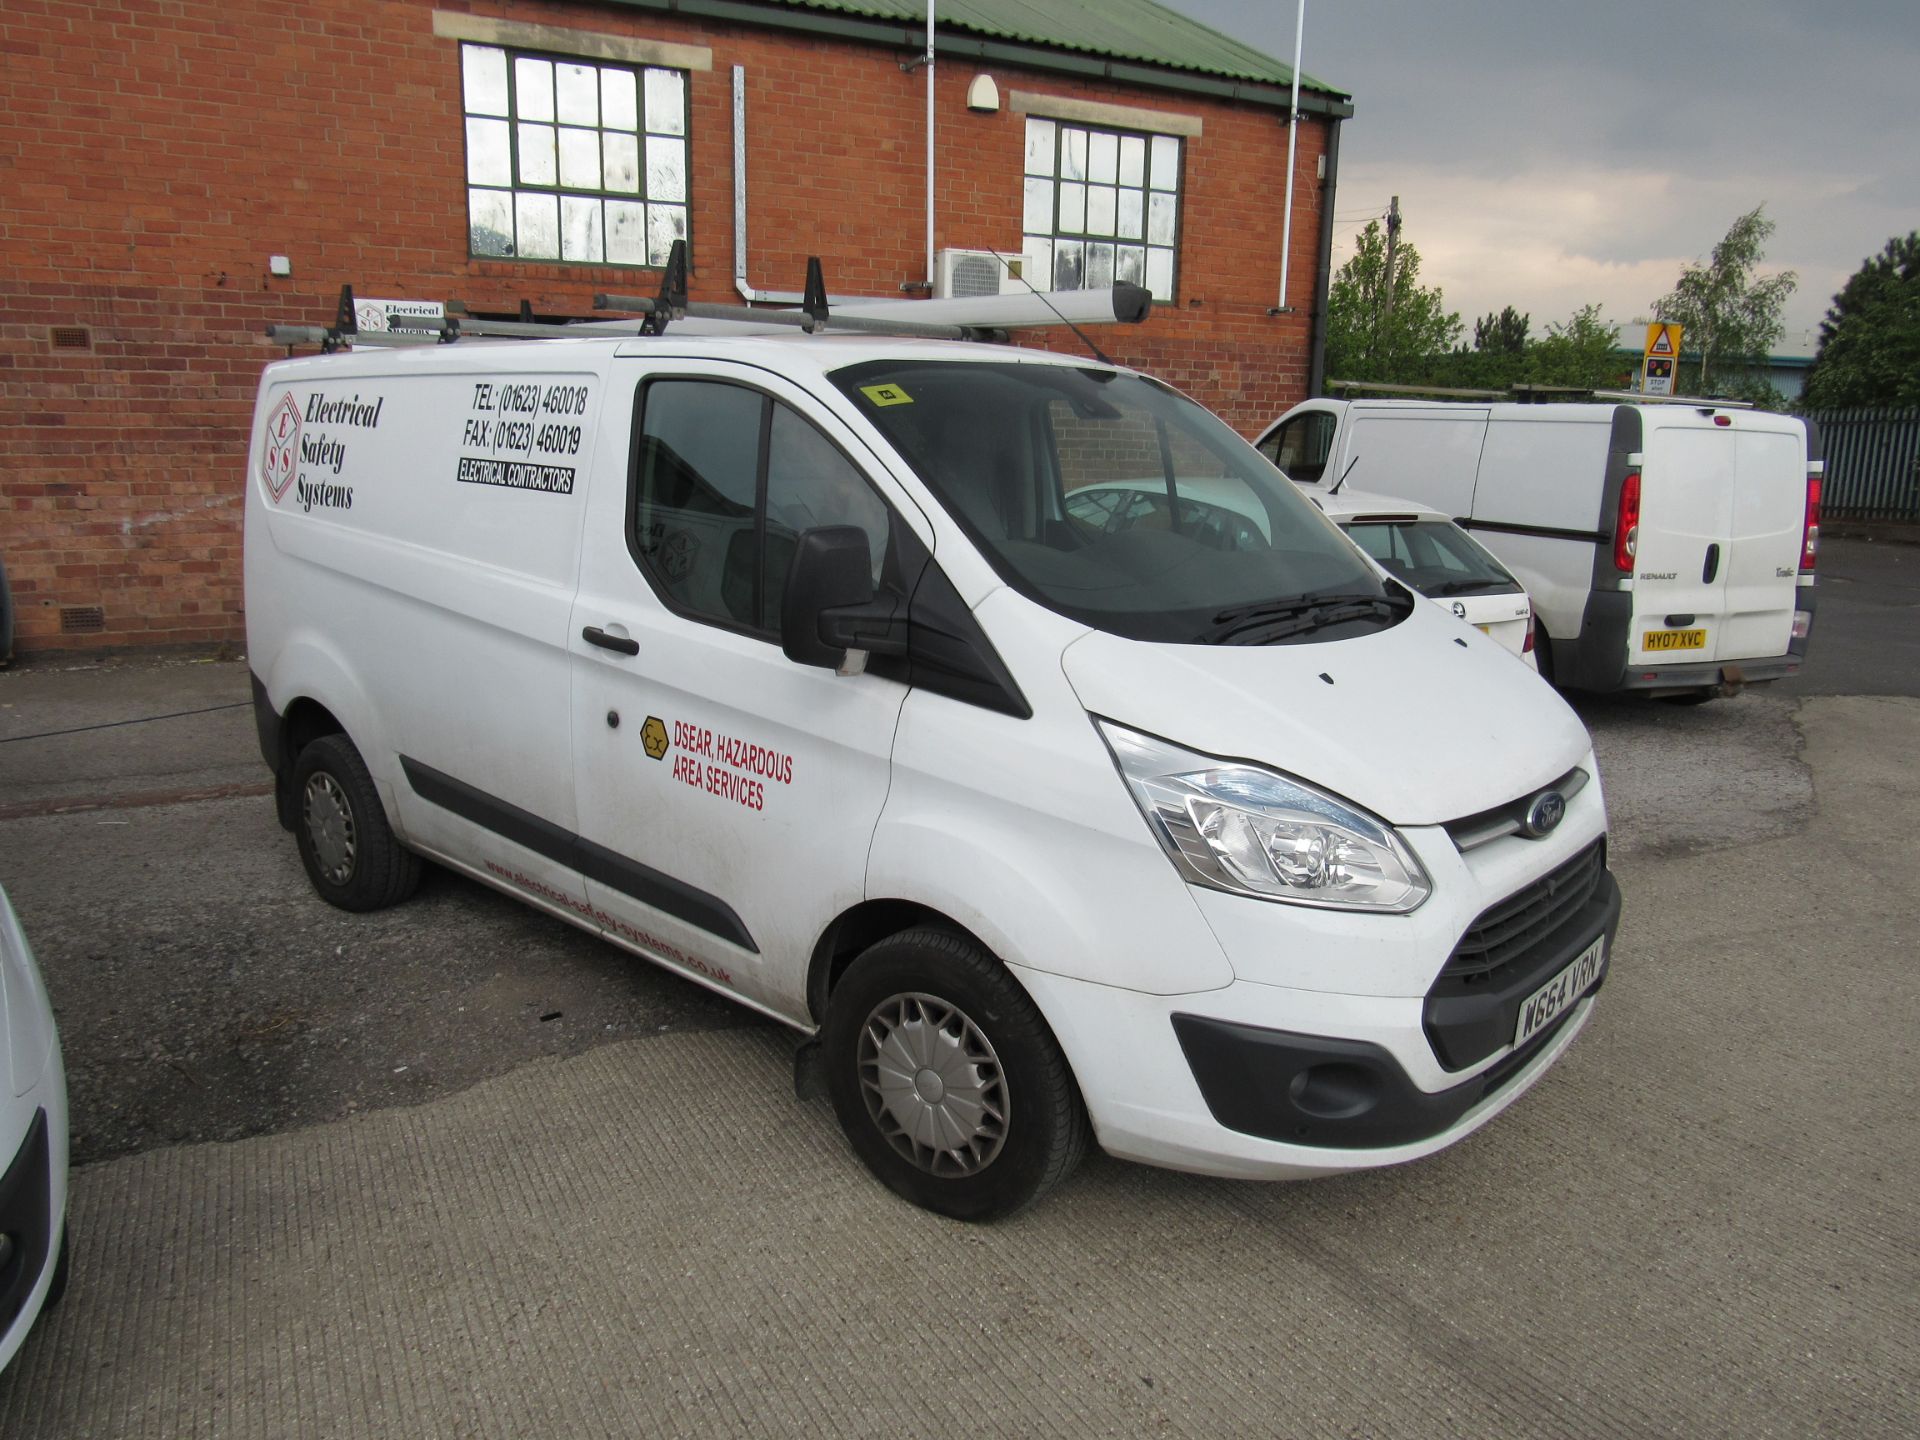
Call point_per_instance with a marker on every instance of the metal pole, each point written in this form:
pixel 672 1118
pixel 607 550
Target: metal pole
pixel 930 276
pixel 1293 134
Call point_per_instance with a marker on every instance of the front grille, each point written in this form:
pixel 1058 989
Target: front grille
pixel 1506 931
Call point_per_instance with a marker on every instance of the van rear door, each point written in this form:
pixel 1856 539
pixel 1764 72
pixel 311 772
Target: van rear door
pixel 1721 503
pixel 1769 513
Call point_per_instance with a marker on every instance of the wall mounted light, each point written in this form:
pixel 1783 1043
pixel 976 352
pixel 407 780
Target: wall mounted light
pixel 983 95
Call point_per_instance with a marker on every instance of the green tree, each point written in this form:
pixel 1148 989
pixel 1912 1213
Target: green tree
pixel 1578 353
pixel 1732 316
pixel 1382 324
pixel 1869 350
pixel 1502 334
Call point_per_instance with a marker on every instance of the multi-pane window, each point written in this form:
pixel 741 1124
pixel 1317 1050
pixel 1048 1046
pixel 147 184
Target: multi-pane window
pixel 573 160
pixel 1102 206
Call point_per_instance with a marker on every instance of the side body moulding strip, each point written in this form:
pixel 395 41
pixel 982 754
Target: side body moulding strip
pixel 1546 532
pixel 641 882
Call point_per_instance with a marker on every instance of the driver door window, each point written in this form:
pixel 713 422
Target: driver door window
pixel 1300 446
pixel 725 480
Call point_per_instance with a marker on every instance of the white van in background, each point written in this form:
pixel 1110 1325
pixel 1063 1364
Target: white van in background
pixel 793 664
pixel 1668 548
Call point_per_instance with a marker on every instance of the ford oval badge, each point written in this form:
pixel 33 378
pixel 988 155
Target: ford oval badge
pixel 1544 814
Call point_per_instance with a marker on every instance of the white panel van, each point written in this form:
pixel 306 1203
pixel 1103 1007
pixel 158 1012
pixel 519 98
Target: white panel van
pixel 1668 548
pixel 792 665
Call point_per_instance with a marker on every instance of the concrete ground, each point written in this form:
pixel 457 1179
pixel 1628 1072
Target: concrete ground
pixel 459 1170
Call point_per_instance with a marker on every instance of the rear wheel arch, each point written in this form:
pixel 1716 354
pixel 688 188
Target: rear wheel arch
pixel 304 721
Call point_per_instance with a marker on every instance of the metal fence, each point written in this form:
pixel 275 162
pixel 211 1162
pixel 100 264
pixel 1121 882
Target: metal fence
pixel 1873 463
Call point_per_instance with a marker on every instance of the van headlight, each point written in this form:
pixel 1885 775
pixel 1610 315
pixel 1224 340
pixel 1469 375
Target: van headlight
pixel 1252 831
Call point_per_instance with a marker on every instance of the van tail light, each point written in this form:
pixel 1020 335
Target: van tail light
pixel 1626 527
pixel 1810 531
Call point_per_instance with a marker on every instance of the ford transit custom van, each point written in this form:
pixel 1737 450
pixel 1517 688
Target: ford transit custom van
pixel 806 668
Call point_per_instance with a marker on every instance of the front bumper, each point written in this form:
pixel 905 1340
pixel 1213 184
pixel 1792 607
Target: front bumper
pixel 1343 1094
pixel 1277 1076
pixel 27 1222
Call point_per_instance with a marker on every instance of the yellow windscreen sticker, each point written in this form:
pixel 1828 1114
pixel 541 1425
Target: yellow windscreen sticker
pixel 886 394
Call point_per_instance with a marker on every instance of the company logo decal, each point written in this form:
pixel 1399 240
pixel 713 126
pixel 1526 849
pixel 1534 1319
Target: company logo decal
pixel 1544 814
pixel 283 446
pixel 719 764
pixel 1459 610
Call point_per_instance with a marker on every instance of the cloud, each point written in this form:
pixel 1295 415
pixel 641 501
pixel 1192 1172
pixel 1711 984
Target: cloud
pixel 1552 156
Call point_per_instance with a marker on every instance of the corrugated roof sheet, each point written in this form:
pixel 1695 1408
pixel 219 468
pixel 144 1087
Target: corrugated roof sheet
pixel 1136 30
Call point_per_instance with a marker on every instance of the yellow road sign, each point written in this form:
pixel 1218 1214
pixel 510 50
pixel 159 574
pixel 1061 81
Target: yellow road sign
pixel 1663 349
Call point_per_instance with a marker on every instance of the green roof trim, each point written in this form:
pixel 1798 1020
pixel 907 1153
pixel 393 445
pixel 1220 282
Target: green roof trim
pixel 1133 42
pixel 1137 30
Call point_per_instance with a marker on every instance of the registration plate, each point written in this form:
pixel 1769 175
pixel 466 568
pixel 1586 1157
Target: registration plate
pixel 1556 997
pixel 1676 640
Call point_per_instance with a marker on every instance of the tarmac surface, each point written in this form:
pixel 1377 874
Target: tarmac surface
pixel 457 1169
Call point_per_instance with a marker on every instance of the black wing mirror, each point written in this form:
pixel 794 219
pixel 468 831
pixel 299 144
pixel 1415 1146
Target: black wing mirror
pixel 829 614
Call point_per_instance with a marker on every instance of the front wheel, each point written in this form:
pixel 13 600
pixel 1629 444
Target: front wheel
pixel 351 854
pixel 946 1079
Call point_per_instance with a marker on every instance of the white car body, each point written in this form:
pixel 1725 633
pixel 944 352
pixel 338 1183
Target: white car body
pixel 1505 613
pixel 1668 548
pixel 33 1139
pixel 499 659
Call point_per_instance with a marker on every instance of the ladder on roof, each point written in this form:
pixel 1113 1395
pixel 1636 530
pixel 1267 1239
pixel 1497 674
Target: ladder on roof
pixel 984 317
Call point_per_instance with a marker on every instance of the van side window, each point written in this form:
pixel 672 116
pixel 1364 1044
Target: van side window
pixel 1300 446
pixel 810 483
pixel 724 480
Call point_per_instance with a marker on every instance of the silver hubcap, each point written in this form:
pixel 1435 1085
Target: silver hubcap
pixel 329 821
pixel 933 1085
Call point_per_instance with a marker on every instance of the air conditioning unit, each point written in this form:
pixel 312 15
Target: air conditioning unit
pixel 962 273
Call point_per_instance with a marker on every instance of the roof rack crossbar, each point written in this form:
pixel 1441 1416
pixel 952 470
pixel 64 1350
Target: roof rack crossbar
pixel 978 318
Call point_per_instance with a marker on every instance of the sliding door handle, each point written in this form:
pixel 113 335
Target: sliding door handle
pixel 594 635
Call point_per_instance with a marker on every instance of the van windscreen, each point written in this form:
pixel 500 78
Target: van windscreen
pixel 1115 501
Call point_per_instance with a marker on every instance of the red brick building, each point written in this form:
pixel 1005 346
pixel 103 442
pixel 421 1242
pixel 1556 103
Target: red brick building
pixel 178 174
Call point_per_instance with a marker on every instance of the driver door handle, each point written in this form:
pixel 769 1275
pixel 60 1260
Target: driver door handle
pixel 594 635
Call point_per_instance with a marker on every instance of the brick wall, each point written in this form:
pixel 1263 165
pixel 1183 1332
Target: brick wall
pixel 154 153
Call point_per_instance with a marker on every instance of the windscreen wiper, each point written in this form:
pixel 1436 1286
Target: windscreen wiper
pixel 1280 619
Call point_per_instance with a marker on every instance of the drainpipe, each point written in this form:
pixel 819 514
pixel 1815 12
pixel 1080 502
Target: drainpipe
pixel 1317 363
pixel 929 147
pixel 1293 135
pixel 747 292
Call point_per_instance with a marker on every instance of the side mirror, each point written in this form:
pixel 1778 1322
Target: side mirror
pixel 829 614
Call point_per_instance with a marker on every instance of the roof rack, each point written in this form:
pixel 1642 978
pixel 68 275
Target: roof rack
pixel 986 317
pixel 1530 394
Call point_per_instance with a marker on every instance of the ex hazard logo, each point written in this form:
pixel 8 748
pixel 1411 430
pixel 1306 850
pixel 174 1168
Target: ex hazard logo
pixel 283 446
pixel 653 735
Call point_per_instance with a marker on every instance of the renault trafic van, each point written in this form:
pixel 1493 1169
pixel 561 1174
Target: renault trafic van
pixel 1669 548
pixel 790 664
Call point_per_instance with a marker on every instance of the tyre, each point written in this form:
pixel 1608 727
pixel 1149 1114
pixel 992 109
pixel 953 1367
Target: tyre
pixel 351 854
pixel 1542 652
pixel 946 1079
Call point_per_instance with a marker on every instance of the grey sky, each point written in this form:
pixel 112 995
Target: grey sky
pixel 1549 154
